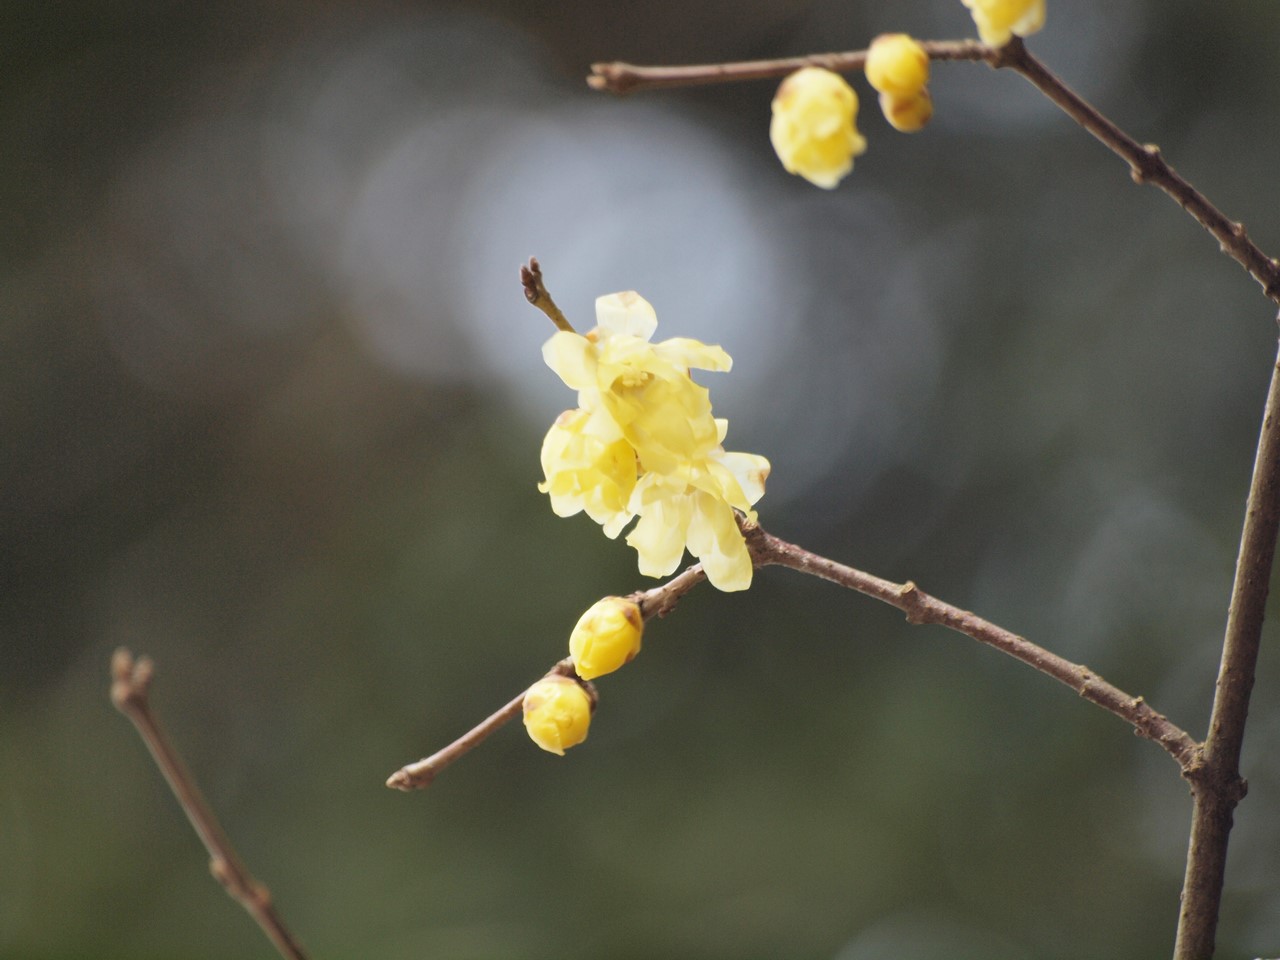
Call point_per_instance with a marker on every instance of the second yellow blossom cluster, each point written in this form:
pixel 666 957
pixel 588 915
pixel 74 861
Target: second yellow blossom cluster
pixel 814 124
pixel 815 112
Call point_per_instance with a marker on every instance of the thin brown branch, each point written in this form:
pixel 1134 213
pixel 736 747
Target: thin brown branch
pixel 920 607
pixel 628 77
pixel 1216 783
pixel 420 774
pixel 535 291
pixel 130 687
pixel 1147 165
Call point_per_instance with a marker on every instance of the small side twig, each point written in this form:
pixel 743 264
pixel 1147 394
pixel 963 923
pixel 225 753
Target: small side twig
pixel 130 688
pixel 656 602
pixel 1216 785
pixel 420 774
pixel 535 291
pixel 622 78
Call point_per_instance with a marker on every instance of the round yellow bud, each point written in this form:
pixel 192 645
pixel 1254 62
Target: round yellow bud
pixel 557 713
pixel 606 637
pixel 907 114
pixel 897 65
pixel 812 130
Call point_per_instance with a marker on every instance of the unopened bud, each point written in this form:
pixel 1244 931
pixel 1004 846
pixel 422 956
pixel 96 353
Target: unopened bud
pixel 606 636
pixel 557 713
pixel 898 65
pixel 907 114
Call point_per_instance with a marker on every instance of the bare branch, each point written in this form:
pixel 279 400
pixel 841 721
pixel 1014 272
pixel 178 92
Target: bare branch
pixel 920 607
pixel 1216 784
pixel 130 686
pixel 628 77
pixel 1147 165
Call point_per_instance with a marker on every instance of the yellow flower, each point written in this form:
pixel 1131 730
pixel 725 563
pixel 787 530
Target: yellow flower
pixel 605 637
pixel 813 128
pixel 644 443
pixel 644 388
pixel 696 512
pixel 589 466
pixel 897 65
pixel 557 713
pixel 907 114
pixel 999 20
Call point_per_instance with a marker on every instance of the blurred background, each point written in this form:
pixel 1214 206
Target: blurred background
pixel 272 403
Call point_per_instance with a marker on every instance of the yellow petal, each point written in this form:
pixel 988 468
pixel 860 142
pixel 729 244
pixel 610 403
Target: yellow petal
pixel 626 314
pixel 714 538
pixel 573 358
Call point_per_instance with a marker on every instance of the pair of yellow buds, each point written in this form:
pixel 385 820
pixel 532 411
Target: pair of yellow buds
pixel 557 709
pixel 814 126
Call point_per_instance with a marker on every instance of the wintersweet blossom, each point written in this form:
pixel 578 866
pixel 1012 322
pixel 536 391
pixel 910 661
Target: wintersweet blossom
pixel 557 713
pixel 999 20
pixel 606 637
pixel 813 128
pixel 589 467
pixel 643 442
pixel 696 512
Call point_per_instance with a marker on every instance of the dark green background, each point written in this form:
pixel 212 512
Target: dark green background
pixel 271 405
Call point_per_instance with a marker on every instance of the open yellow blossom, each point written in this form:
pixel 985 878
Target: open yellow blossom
pixel 557 713
pixel 644 388
pixel 897 64
pixel 813 128
pixel 644 443
pixel 999 20
pixel 606 637
pixel 589 466
pixel 696 512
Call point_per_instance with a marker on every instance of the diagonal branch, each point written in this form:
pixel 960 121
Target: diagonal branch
pixel 130 688
pixel 1216 784
pixel 1147 165
pixel 921 608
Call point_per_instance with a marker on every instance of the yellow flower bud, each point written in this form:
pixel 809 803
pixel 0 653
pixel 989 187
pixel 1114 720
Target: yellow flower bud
pixel 606 637
pixel 907 114
pixel 813 131
pixel 999 20
pixel 897 65
pixel 557 713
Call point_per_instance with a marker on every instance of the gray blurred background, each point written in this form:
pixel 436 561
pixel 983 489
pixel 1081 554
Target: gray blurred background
pixel 272 402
